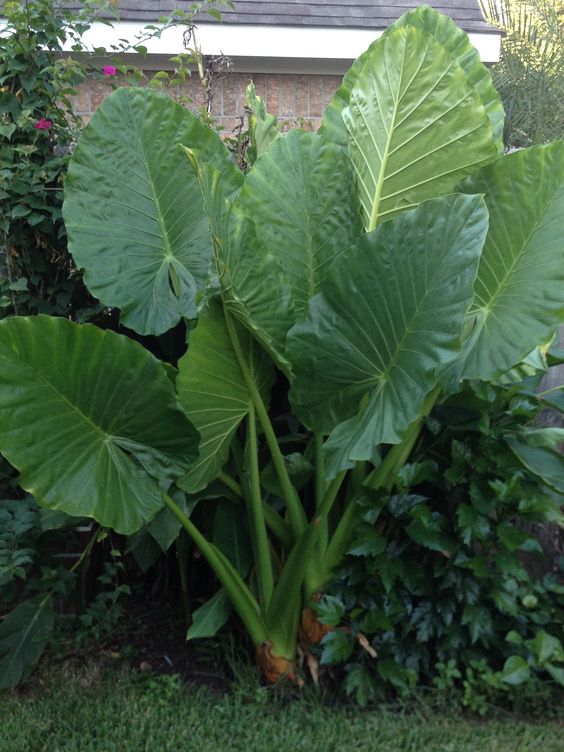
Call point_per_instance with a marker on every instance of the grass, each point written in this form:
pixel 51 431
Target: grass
pixel 90 712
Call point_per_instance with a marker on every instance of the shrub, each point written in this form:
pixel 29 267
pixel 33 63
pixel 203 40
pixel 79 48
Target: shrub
pixel 332 297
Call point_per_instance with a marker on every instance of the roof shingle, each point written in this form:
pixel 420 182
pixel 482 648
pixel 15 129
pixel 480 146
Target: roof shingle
pixel 362 14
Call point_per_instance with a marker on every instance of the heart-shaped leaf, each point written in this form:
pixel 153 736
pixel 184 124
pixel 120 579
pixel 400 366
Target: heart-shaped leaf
pixel 133 208
pixel 416 125
pixel 390 312
pixel 454 41
pixel 520 283
pixel 254 288
pixel 301 197
pixel 91 421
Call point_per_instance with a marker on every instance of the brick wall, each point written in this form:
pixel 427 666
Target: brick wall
pixel 297 98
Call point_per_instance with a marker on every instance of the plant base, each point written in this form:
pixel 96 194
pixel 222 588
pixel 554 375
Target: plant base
pixel 274 667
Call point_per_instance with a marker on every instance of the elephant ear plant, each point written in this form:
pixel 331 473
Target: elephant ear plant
pixel 365 271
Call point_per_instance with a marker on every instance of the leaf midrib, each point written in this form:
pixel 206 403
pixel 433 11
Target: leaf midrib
pixel 374 214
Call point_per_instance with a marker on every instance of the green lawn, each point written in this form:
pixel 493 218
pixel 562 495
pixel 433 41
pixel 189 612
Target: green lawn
pixel 138 713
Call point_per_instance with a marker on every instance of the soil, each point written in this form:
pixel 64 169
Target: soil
pixel 154 640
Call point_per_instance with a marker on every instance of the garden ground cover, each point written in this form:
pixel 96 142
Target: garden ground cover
pixel 91 710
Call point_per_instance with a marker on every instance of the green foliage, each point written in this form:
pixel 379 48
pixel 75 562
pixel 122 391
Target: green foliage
pixel 34 581
pixel 114 439
pixel 438 578
pixel 23 637
pixel 37 132
pixel 153 209
pixel 530 73
pixel 326 391
pixel 263 128
pixel 210 617
pixel 340 296
pixel 105 610
pixel 18 531
pixel 213 392
pixel 25 569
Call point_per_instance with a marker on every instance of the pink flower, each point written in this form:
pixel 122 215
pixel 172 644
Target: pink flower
pixel 109 70
pixel 43 124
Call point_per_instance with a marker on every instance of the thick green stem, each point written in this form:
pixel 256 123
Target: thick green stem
pixel 274 521
pixel 383 476
pixel 315 572
pixel 330 495
pixel 278 526
pixel 340 541
pixel 182 559
pixel 359 473
pixel 231 484
pixel 241 597
pixel 294 508
pixel 320 488
pixel 260 537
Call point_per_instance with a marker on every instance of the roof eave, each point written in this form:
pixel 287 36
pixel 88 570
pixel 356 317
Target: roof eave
pixel 263 42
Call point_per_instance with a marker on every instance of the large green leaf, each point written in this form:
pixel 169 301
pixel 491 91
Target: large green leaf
pixel 390 312
pixel 219 185
pixel 23 636
pixel 416 125
pixel 455 42
pixel 254 288
pixel 133 209
pixel 278 236
pixel 90 419
pixel 301 198
pixel 520 285
pixel 213 391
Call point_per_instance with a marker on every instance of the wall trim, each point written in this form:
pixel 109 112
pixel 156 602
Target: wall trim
pixel 259 48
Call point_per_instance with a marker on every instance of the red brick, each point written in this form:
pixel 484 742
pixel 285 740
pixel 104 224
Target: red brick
pixel 316 104
pixel 287 95
pixel 82 101
pixel 229 124
pixel 100 91
pixel 259 80
pixel 230 95
pixel 243 80
pixel 273 94
pixel 198 96
pixel 301 89
pixel 185 93
pixel 332 83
